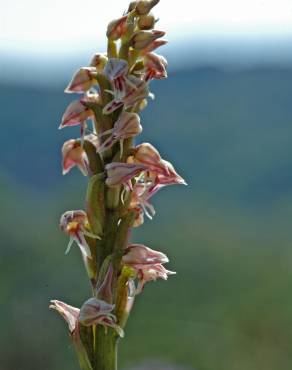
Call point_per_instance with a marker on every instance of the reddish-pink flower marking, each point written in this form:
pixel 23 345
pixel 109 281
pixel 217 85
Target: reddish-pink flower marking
pixel 135 91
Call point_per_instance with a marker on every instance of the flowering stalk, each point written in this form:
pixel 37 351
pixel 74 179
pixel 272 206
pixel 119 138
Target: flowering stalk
pixel 122 178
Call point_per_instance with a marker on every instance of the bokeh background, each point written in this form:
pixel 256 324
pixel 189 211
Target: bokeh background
pixel 223 117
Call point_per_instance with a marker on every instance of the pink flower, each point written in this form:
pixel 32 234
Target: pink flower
pixel 82 80
pixel 127 125
pixel 138 255
pixel 98 312
pixel 170 177
pixel 149 156
pixel 74 155
pixel 75 114
pixel 155 66
pixel 75 224
pixel 119 173
pixel 147 263
pixel 70 315
pixel 135 91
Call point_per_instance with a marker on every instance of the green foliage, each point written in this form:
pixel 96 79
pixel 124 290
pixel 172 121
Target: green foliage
pixel 228 235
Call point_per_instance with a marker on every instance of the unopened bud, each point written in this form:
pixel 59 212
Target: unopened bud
pixel 98 61
pixel 117 28
pixel 146 22
pixel 142 39
pixel 132 6
pixel 144 6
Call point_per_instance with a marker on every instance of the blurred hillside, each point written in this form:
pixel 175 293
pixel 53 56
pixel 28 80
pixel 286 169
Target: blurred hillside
pixel 228 234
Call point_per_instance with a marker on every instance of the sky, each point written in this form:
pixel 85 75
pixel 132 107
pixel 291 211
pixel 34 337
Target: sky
pixel 52 38
pixel 51 26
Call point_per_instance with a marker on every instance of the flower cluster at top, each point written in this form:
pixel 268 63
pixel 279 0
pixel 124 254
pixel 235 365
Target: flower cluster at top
pixel 123 177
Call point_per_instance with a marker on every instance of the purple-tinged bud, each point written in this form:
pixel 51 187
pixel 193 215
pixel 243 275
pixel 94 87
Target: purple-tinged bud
pixel 75 114
pixel 98 61
pixel 142 39
pixel 74 155
pixel 117 28
pixel 153 46
pixel 119 173
pixel 146 22
pixel 82 80
pixel 139 254
pixel 127 125
pixel 144 6
pixel 97 312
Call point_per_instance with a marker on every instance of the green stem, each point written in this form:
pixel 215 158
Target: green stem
pixel 105 349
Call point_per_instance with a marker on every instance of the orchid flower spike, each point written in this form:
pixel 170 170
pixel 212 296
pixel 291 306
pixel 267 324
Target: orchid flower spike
pixel 119 173
pixel 74 155
pixel 82 80
pixel 98 312
pixel 75 224
pixel 76 114
pixel 127 125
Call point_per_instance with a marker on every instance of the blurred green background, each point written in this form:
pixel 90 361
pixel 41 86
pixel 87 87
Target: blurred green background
pixel 228 234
